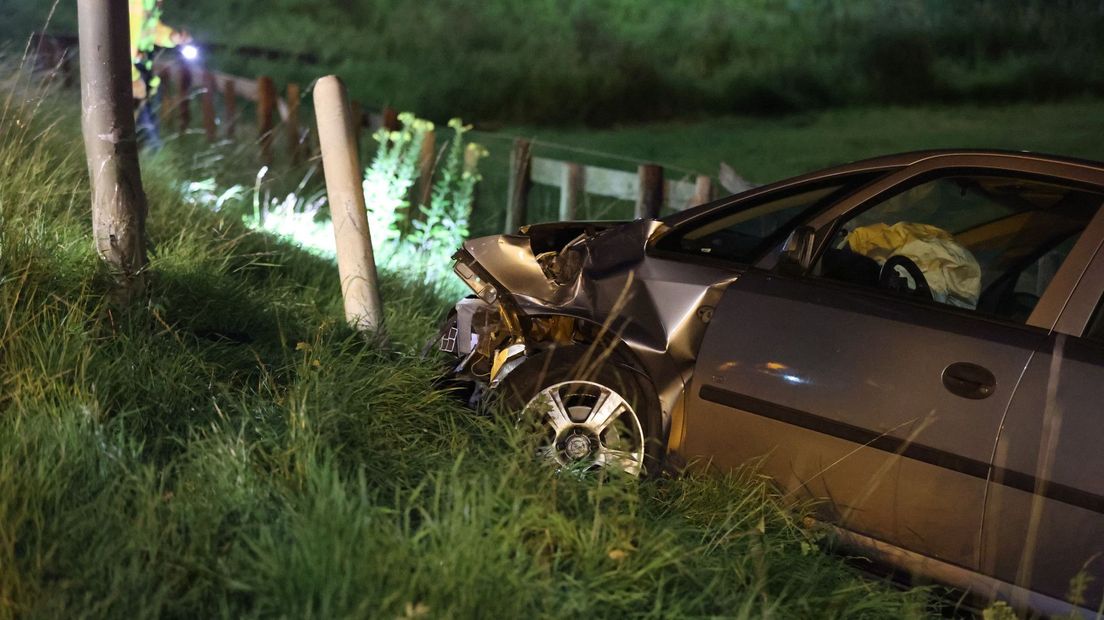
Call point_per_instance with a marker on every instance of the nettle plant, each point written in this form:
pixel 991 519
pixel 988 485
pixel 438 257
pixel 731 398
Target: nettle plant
pixel 420 238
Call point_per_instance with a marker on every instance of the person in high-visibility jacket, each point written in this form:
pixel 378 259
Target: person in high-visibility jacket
pixel 147 33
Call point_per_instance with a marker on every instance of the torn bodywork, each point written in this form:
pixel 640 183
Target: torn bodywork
pixel 579 283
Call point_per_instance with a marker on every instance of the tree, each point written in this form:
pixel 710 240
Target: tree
pixel 107 122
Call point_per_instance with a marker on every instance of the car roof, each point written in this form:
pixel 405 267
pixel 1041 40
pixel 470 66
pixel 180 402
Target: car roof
pixel 885 164
pixel 900 160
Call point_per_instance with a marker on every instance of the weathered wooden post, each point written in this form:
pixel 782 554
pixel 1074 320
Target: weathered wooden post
pixel 165 93
pixel 110 144
pixel 266 109
pixel 358 122
pixel 391 119
pixel 521 163
pixel 649 198
pixel 184 98
pixel 571 188
pixel 341 165
pixel 426 158
pixel 230 106
pixel 210 124
pixel 293 123
pixel 703 190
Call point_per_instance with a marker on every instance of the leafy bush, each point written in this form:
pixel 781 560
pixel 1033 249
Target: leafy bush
pixel 443 224
pixel 414 239
pixel 408 236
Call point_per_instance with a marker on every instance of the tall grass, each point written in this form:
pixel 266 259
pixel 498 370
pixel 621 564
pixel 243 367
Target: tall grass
pixel 228 448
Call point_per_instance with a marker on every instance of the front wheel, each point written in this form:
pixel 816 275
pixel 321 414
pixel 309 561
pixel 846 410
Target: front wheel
pixel 589 415
pixel 588 425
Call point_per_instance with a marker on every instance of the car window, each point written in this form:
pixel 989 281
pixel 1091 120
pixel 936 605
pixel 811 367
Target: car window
pixel 986 243
pixel 1096 325
pixel 744 234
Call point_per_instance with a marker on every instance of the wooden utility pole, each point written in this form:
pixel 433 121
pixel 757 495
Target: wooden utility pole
pixel 521 162
pixel 344 186
pixel 107 123
pixel 266 110
pixel 649 200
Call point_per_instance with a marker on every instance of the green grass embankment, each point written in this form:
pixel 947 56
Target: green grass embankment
pixel 226 447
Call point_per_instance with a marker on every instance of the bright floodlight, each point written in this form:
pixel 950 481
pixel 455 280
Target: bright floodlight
pixel 189 52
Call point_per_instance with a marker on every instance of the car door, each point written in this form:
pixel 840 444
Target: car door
pixel 1044 520
pixel 886 404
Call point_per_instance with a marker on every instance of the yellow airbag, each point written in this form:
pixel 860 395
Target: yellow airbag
pixel 951 271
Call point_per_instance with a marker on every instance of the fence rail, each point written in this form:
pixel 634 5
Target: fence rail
pixel 617 184
pixel 648 187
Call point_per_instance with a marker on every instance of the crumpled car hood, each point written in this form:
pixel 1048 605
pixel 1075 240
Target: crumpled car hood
pixel 604 249
pixel 658 308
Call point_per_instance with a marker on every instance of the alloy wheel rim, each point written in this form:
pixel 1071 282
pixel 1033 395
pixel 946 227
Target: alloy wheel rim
pixel 589 426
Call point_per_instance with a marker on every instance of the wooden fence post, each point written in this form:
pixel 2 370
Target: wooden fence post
pixel 184 98
pixel 358 123
pixel 341 165
pixel 165 92
pixel 111 147
pixel 571 188
pixel 266 108
pixel 703 190
pixel 649 199
pixel 229 106
pixel 521 162
pixel 210 125
pixel 391 119
pixel 426 158
pixel 293 123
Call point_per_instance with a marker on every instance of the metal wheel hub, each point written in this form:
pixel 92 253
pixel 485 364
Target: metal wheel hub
pixel 577 447
pixel 588 425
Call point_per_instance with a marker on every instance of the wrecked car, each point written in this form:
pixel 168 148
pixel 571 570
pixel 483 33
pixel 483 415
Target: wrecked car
pixel 914 339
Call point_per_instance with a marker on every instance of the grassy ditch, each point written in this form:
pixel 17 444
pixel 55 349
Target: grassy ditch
pixel 228 448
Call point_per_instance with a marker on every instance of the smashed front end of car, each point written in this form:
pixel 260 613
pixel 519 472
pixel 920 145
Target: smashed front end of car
pixel 579 283
pixel 526 295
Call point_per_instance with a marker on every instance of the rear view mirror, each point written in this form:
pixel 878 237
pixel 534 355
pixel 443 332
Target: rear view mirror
pixel 797 251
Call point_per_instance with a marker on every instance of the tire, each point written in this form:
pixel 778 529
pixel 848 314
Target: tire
pixel 606 414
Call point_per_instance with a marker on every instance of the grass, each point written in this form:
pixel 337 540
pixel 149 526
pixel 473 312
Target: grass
pixel 227 447
pixel 607 61
pixel 769 149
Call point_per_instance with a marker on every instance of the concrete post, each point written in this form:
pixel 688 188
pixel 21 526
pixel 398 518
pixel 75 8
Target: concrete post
pixel 355 262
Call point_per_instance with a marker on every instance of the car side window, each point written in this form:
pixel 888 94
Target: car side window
pixel 986 243
pixel 1095 330
pixel 742 235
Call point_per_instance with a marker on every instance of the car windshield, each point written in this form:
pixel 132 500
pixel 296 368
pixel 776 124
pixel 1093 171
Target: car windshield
pixel 747 231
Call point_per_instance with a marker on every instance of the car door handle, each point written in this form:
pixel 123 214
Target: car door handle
pixel 969 380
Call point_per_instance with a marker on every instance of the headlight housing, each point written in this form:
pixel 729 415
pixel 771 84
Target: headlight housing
pixel 483 290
